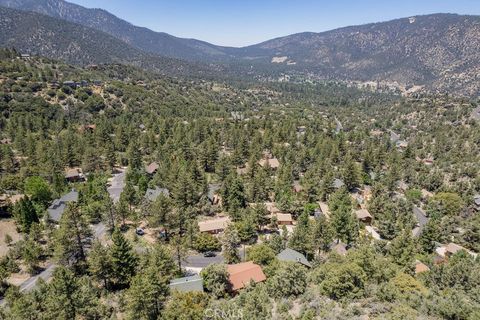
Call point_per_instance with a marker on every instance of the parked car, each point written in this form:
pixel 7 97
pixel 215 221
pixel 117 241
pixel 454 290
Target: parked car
pixel 139 231
pixel 209 254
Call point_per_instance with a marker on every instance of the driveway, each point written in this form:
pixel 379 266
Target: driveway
pixel 117 183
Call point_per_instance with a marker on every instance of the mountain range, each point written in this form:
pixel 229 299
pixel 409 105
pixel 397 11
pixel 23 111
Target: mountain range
pixel 439 52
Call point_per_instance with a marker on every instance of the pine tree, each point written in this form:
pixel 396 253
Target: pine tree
pixel 72 236
pixel 124 260
pixel 147 294
pixel 100 264
pixel 431 233
pixel 230 243
pixel 301 237
pixel 402 249
pixel 351 174
pixel 323 234
pixel 25 214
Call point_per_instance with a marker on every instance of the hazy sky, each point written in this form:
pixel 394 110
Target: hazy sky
pixel 244 22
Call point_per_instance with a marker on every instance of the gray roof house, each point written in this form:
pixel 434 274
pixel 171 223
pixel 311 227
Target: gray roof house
pixel 212 191
pixel 337 183
pixel 291 255
pixel 57 208
pixel 187 284
pixel 153 194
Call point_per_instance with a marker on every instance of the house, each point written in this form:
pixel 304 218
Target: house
pixel 364 216
pixel 6 141
pixel 74 175
pixel 187 284
pixel 272 163
pixel 340 248
pixel 337 183
pixel 271 207
pixel 301 130
pixel 152 194
pixel 476 202
pixel 54 85
pixel 422 221
pixel 213 195
pixel 87 128
pixel 297 187
pixel 57 208
pixel 284 219
pixel 324 209
pixel 373 233
pixel 241 274
pixel 446 251
pixel 402 144
pixel 152 168
pixel 420 267
pixel 290 255
pixel 214 226
pixel 71 84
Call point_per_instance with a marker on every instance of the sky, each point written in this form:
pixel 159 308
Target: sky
pixel 245 22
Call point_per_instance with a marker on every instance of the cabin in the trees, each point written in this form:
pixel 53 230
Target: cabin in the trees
pixel 337 183
pixel 57 208
pixel 270 162
pixel 74 175
pixel 290 255
pixel 476 202
pixel 372 232
pixel 214 226
pixel 446 251
pixel 284 219
pixel 187 284
pixel 152 194
pixel 364 216
pixel 241 274
pixel 420 267
pixel 71 84
pixel 212 195
pixel 152 168
pixel 339 247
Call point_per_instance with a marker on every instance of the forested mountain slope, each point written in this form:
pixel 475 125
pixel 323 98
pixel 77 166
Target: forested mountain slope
pixel 42 35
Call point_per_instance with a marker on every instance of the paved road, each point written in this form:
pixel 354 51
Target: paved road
pixel 199 261
pixel 117 183
pixel 46 274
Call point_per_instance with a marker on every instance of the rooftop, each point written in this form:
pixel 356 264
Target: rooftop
pixel 187 284
pixel 214 224
pixel 291 255
pixel 153 194
pixel 241 274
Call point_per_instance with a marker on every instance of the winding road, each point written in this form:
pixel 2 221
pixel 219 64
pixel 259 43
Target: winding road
pixel 117 183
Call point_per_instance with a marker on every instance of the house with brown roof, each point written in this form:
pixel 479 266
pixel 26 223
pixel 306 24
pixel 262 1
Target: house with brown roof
pixel 446 251
pixel 364 216
pixel 271 162
pixel 420 267
pixel 297 187
pixel 74 175
pixel 284 219
pixel 152 168
pixel 241 274
pixel 214 226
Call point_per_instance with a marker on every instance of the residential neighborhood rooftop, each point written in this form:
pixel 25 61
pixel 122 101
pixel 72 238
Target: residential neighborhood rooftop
pixel 241 274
